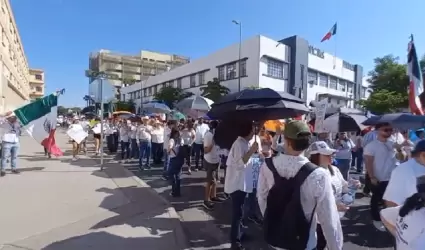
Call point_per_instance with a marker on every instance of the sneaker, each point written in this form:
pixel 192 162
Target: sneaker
pixel 379 225
pixel 237 246
pixel 208 205
pixel 217 200
pixel 15 171
pixel 74 159
pixel 2 173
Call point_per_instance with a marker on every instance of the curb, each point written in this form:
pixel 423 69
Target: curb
pixel 182 242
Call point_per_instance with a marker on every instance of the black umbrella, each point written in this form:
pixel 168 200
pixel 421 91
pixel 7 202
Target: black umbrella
pixel 402 121
pixel 247 105
pixel 341 122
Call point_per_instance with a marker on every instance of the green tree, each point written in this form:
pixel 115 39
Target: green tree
pixel 170 95
pixel 389 83
pixel 62 110
pixel 125 106
pixel 214 90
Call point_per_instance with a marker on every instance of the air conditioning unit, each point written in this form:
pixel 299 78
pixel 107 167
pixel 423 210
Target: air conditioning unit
pixel 311 83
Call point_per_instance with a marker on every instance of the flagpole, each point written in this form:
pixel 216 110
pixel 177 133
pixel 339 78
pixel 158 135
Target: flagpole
pixel 336 44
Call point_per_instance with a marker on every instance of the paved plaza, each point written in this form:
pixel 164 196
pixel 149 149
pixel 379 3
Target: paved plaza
pixel 57 204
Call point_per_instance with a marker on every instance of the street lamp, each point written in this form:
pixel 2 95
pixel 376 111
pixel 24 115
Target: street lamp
pixel 239 23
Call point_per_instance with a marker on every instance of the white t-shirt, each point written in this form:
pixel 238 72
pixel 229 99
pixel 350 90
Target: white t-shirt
pixel 410 230
pixel 212 156
pixel 187 135
pixel 145 132
pixel 124 134
pixel 175 147
pixel 200 131
pixel 384 160
pixel 158 135
pixel 402 183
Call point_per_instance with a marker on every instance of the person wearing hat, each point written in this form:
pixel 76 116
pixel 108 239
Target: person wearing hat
pixel 11 130
pixel 321 155
pixel 405 222
pixel 317 194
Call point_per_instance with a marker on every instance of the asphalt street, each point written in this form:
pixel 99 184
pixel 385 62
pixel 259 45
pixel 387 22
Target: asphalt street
pixel 359 233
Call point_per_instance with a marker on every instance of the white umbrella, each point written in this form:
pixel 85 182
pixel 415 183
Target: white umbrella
pixel 195 105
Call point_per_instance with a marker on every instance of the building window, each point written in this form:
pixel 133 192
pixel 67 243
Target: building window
pixel 171 84
pixel 163 85
pixel 150 91
pixel 350 87
pixel 242 66
pixel 323 80
pixel 145 92
pixel 179 83
pixel 312 77
pixel 38 89
pixel 231 71
pixel 39 77
pixel 139 92
pixel 201 78
pixel 341 85
pixel 221 75
pixel 193 81
pixel 333 83
pixel 274 68
pixel 155 89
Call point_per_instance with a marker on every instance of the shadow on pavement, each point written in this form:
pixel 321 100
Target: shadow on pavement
pixel 359 231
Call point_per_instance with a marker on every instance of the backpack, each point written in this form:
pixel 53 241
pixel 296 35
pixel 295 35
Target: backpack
pixel 285 224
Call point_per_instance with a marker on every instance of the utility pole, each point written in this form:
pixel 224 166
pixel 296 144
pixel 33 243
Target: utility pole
pixel 100 76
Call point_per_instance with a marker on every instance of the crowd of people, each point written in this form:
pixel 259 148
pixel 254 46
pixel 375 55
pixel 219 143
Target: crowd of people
pixel 293 182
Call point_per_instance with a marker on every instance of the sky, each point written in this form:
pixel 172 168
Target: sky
pixel 58 35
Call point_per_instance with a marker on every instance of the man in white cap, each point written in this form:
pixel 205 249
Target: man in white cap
pixel 11 131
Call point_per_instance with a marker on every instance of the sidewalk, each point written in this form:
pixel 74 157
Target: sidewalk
pixel 59 204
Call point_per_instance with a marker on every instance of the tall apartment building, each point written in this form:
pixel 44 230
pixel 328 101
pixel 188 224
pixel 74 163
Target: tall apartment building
pixel 127 69
pixel 36 83
pixel 14 70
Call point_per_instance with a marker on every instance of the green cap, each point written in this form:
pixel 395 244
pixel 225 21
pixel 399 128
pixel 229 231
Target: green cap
pixel 296 130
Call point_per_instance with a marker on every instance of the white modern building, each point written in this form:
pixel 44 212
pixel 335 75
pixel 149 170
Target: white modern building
pixel 291 65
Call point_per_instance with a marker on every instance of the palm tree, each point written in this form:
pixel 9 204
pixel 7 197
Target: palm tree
pixel 214 90
pixel 87 99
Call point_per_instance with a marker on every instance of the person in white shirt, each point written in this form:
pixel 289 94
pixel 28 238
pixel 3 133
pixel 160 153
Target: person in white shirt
pixel 167 131
pixel 238 182
pixel 343 155
pixel 125 140
pixel 145 144
pixel 97 135
pixel 75 145
pixel 86 126
pixel 211 161
pixel 405 222
pixel 176 161
pixel 198 145
pixel 157 141
pixel 403 181
pixel 317 196
pixel 380 161
pixel 188 136
pixel 11 130
pixel 133 141
pixel 277 141
pixel 321 155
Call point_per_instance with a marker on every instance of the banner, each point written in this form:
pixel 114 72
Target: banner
pixel 320 113
pixel 77 133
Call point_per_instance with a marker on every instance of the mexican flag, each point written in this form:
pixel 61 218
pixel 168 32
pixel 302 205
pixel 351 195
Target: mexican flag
pixel 39 119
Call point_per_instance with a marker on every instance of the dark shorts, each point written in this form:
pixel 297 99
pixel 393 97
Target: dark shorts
pixel 212 171
pixel 97 136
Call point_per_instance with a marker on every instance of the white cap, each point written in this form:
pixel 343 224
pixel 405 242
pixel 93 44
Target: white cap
pixel 145 118
pixel 320 147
